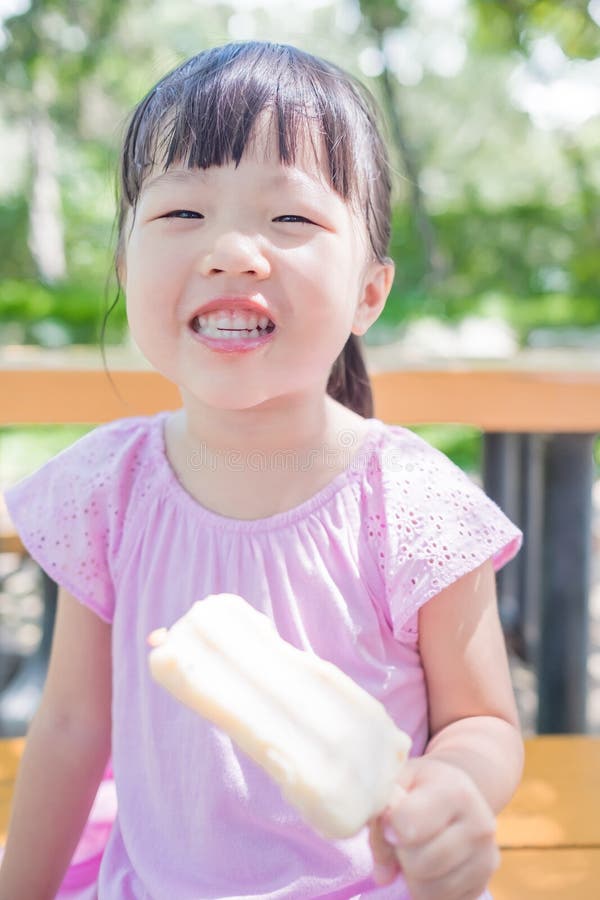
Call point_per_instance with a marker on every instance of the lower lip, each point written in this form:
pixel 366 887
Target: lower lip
pixel 232 345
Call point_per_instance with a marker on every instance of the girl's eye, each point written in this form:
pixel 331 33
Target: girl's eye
pixel 183 214
pixel 292 218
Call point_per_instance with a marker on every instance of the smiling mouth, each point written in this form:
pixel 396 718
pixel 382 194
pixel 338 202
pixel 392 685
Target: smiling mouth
pixel 203 325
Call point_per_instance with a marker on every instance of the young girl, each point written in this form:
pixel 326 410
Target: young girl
pixel 254 226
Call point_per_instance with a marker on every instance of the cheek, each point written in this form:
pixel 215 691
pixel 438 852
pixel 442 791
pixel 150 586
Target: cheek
pixel 151 275
pixel 328 275
pixel 154 248
pixel 147 298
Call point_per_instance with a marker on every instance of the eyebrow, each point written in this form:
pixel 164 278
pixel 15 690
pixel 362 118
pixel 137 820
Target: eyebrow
pixel 295 178
pixel 174 176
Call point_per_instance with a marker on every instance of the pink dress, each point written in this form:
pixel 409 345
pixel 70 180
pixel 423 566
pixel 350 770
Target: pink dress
pixel 343 573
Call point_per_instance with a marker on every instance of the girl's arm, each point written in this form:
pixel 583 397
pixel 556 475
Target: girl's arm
pixel 443 826
pixel 473 719
pixel 67 748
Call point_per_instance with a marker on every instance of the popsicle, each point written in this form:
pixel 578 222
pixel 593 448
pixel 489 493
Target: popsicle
pixel 331 747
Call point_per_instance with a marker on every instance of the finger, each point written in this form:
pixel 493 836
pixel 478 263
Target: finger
pixel 430 806
pixel 385 819
pixel 386 866
pixel 466 881
pixel 446 851
pixel 470 880
pixel 157 637
pixel 420 815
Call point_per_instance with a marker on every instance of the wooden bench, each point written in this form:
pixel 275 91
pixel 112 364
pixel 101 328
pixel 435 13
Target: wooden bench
pixel 10 542
pixel 10 756
pixel 549 834
pixel 496 399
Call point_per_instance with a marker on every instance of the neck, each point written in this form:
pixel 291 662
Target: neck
pixel 291 453
pixel 298 424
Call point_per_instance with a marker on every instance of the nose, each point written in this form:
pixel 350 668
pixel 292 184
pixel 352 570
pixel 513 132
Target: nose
pixel 234 253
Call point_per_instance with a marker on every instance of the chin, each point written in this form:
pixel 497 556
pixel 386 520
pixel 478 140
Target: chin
pixel 231 401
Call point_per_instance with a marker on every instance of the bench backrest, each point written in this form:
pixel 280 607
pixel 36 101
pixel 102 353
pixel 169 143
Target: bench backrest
pixel 495 400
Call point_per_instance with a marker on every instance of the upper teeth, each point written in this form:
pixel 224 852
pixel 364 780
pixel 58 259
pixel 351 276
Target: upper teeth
pixel 224 319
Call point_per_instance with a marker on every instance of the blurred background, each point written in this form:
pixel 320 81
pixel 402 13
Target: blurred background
pixel 492 111
pixel 493 115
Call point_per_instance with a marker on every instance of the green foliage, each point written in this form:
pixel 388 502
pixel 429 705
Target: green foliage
pixel 384 14
pixel 517 250
pixel 459 442
pixel 58 314
pixel 16 260
pixel 505 25
pixel 52 45
pixel 502 263
pixel 530 256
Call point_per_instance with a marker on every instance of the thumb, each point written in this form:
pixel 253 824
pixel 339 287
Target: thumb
pixel 406 780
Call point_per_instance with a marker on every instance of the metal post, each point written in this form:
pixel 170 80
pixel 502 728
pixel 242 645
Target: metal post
pixel 502 483
pixel 530 564
pixel 563 650
pixel 21 697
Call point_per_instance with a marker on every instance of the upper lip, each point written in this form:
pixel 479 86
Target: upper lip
pixel 256 303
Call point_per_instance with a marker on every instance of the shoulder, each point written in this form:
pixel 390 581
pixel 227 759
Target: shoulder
pixel 424 486
pixel 73 511
pixel 114 442
pixel 410 487
pixel 112 453
pixel 405 463
pixel 102 466
pixel 428 521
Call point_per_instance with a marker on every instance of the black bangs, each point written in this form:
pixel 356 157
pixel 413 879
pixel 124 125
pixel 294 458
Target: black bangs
pixel 204 114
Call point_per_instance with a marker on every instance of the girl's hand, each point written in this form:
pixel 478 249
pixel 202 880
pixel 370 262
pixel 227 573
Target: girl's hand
pixel 438 831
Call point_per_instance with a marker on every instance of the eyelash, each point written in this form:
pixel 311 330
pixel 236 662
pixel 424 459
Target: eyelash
pixel 183 214
pixel 295 219
pixel 191 214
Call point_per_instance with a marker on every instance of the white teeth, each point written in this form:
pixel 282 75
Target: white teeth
pixel 241 321
pixel 231 324
pixel 226 319
pixel 236 335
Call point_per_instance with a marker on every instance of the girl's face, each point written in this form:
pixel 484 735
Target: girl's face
pixel 262 240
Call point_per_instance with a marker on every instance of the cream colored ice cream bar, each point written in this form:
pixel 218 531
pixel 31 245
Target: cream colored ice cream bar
pixel 332 748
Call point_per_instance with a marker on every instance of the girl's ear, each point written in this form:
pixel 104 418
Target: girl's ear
pixel 377 285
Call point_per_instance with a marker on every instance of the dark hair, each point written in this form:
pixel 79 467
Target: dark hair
pixel 202 114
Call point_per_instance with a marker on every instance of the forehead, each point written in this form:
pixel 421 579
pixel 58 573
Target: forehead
pixel 308 170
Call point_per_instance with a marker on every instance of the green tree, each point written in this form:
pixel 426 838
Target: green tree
pixel 381 16
pixel 51 48
pixel 506 25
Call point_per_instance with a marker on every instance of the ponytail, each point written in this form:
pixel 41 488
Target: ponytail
pixel 349 382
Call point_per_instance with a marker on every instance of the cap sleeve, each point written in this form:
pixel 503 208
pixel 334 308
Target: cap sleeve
pixel 69 515
pixel 433 525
